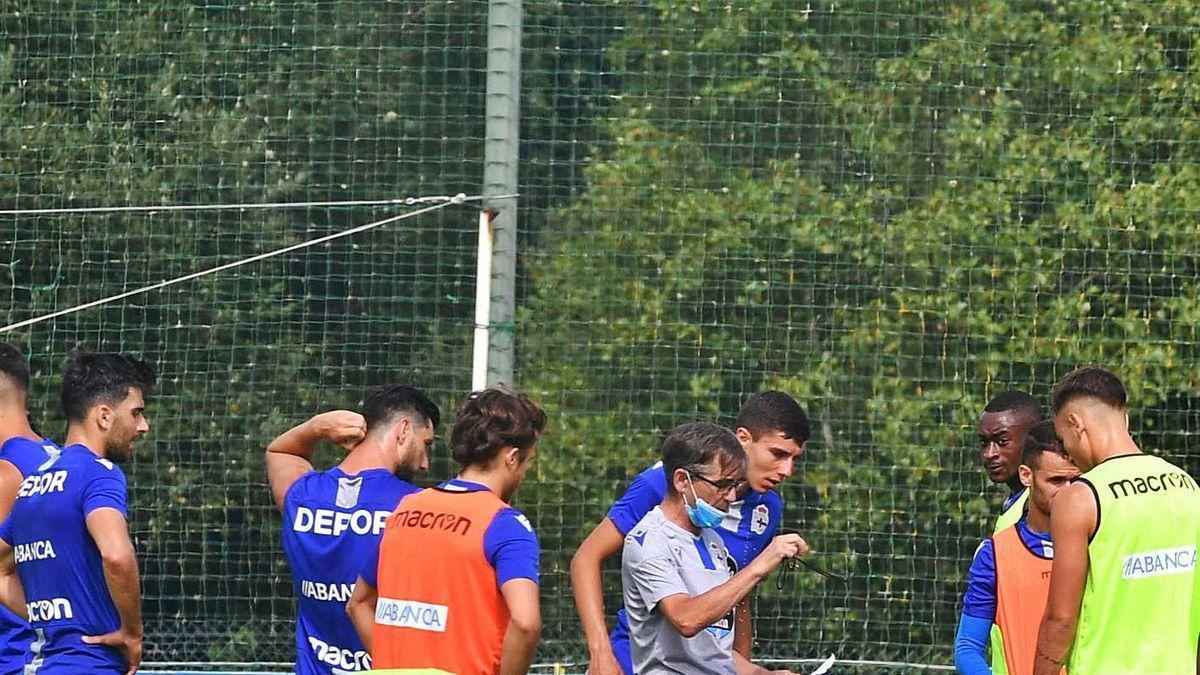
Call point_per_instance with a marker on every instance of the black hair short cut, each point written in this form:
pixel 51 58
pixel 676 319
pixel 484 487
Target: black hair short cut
pixel 14 365
pixel 492 419
pixel 1041 439
pixel 1016 401
pixel 693 447
pixel 385 403
pixel 769 411
pixel 101 377
pixel 1090 381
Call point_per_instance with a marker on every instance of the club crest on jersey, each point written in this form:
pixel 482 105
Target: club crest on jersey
pixel 760 519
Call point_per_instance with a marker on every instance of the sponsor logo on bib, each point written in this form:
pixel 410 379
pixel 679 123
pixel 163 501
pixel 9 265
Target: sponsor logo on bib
pixel 412 614
pixel 1160 563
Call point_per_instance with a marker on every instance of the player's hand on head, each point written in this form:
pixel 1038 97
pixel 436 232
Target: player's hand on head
pixel 343 427
pixel 128 644
pixel 604 664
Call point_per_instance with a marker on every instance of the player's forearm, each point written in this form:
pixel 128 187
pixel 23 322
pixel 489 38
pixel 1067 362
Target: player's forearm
pixel 1054 643
pixel 299 441
pixel 743 633
pixel 520 642
pixel 12 594
pixel 589 599
pixel 125 587
pixel 361 610
pixel 745 667
pixel 698 612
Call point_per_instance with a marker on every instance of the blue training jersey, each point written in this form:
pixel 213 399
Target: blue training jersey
pixel 751 524
pixel 60 567
pixel 332 521
pixel 26 455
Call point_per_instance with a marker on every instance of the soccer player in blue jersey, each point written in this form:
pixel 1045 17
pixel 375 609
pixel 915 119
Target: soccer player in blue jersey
pixel 1009 578
pixel 22 451
pixel 66 559
pixel 333 520
pixel 772 428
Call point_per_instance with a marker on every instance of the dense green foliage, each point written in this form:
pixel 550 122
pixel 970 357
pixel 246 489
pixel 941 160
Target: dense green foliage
pixel 892 212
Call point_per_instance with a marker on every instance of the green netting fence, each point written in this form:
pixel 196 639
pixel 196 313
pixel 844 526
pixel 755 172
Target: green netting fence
pixel 890 210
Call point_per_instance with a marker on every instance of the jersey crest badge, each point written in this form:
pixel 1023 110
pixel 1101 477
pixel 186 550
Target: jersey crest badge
pixel 760 519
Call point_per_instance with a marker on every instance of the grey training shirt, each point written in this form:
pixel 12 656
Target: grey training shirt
pixel 663 559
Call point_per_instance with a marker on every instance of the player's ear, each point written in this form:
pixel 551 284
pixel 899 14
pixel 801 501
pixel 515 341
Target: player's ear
pixel 512 456
pixel 743 435
pixel 1026 474
pixel 104 417
pixel 1074 421
pixel 679 480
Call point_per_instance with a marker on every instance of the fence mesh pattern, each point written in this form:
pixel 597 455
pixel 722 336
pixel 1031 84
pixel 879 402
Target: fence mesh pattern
pixel 890 210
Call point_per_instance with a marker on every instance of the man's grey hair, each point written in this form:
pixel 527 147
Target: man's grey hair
pixel 693 446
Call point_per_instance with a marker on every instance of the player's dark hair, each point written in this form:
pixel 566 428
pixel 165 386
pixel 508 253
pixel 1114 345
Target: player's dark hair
pixel 1089 381
pixel 769 411
pixel 1041 439
pixel 101 377
pixel 693 447
pixel 14 365
pixel 387 402
pixel 1015 401
pixel 493 419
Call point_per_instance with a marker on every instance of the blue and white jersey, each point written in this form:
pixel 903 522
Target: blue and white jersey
pixel 60 567
pixel 751 524
pixel 26 455
pixel 332 522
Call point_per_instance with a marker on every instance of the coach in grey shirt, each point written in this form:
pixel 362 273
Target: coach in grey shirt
pixel 679 592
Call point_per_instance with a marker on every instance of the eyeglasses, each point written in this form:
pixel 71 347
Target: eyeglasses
pixel 722 486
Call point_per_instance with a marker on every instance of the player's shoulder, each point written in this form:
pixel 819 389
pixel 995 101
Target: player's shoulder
pixel 771 499
pixel 28 455
pixel 510 526
pixel 514 517
pixel 98 468
pixel 652 475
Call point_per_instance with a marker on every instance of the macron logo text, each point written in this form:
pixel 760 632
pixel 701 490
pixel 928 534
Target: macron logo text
pixel 49 610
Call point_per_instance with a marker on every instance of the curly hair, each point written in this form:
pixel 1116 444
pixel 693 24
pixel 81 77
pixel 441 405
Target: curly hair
pixel 493 419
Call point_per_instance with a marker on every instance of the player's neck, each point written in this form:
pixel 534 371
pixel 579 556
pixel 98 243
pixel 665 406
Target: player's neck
pixel 674 511
pixel 1114 443
pixel 1037 520
pixel 365 457
pixel 77 435
pixel 492 480
pixel 14 423
pixel 1014 485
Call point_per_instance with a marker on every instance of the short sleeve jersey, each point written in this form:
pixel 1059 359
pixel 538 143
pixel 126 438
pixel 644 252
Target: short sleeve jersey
pixel 66 593
pixel 27 456
pixel 333 521
pixel 662 559
pixel 751 524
